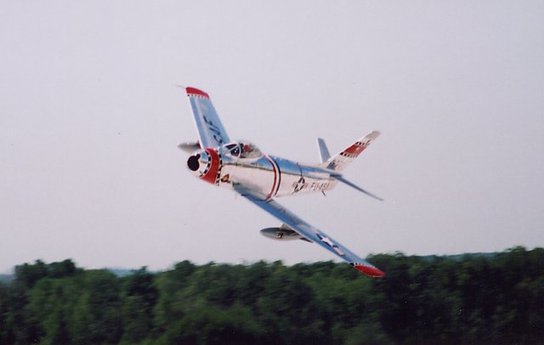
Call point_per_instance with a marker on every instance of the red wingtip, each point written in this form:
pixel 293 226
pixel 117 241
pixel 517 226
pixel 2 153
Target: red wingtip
pixel 369 271
pixel 196 92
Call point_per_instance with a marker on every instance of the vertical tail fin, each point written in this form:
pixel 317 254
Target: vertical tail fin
pixel 324 154
pixel 341 160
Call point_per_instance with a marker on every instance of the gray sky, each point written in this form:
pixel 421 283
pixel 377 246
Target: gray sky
pixel 90 118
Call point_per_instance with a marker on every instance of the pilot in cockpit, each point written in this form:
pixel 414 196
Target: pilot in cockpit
pixel 243 150
pixel 246 149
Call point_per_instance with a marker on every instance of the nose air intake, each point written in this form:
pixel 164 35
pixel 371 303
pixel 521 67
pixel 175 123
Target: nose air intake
pixel 192 162
pixel 206 164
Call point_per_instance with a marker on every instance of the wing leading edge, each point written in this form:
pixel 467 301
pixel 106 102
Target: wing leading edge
pixel 311 233
pixel 211 132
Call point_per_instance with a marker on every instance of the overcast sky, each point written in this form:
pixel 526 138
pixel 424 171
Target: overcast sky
pixel 90 118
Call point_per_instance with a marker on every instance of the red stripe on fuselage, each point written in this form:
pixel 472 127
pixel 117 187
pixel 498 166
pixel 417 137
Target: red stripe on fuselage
pixel 212 173
pixel 279 177
pixel 276 177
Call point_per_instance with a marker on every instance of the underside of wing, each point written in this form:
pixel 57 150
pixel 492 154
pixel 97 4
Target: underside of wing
pixel 211 132
pixel 309 232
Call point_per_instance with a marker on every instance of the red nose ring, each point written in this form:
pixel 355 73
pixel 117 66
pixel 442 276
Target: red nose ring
pixel 213 173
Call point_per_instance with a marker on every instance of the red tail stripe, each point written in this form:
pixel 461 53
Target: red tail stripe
pixel 355 149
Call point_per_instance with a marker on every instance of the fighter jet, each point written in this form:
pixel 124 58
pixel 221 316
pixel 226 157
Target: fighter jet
pixel 260 178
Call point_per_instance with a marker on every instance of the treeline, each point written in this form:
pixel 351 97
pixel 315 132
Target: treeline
pixel 471 299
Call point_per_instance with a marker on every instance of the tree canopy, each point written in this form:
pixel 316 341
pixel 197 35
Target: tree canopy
pixel 470 299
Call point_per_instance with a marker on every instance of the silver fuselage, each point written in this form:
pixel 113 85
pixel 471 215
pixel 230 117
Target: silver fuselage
pixel 266 175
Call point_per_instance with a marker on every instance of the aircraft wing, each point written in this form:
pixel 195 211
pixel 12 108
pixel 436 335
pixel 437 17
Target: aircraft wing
pixel 309 232
pixel 211 132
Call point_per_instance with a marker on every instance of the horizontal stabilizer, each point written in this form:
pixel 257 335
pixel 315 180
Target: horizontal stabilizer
pixel 353 185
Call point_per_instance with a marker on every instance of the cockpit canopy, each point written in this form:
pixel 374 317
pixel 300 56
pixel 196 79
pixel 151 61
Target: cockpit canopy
pixel 242 149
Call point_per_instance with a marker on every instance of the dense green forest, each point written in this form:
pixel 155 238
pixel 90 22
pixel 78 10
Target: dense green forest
pixel 468 299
